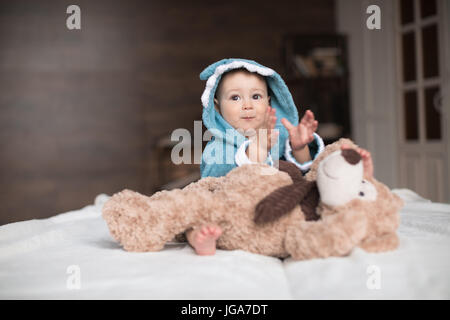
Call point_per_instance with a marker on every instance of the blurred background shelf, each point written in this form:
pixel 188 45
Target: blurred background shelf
pixel 169 175
pixel 316 72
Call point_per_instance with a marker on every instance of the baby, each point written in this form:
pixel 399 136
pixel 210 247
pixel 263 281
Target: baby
pixel 253 103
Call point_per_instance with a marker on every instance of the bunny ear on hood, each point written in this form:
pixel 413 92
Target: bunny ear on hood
pixel 280 99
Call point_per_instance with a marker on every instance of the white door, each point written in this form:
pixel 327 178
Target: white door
pixel 422 83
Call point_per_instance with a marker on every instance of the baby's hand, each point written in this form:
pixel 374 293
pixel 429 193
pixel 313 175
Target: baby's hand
pixel 301 135
pixel 367 161
pixel 269 125
pixel 263 140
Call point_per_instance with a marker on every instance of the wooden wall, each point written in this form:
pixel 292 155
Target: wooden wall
pixel 80 110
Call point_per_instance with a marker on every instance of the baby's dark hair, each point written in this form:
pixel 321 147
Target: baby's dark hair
pixel 242 69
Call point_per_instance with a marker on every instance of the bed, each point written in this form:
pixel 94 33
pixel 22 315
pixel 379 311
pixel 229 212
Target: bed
pixel 72 256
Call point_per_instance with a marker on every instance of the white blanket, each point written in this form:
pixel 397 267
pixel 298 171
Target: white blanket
pixel 72 256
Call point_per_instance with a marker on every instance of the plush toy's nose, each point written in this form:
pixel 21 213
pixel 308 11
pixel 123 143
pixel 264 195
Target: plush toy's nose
pixel 351 156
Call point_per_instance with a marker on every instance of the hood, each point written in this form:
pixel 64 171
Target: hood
pixel 280 99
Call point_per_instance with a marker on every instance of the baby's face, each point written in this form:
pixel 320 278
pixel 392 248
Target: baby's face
pixel 242 100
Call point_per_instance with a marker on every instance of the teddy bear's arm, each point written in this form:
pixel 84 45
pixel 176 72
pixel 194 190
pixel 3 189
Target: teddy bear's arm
pixel 385 242
pixel 291 169
pixel 334 235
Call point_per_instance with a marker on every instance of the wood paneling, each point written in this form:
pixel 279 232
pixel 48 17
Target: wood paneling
pixel 81 109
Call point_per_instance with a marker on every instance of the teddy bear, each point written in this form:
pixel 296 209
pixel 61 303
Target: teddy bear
pixel 268 210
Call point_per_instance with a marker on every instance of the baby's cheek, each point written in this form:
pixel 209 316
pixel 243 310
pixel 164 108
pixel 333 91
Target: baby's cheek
pixel 262 109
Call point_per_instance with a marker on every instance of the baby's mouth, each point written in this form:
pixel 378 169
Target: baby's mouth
pixel 248 115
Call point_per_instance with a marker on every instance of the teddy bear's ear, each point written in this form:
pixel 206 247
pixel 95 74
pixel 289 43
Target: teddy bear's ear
pixel 310 203
pixel 291 169
pixel 283 200
pixel 329 149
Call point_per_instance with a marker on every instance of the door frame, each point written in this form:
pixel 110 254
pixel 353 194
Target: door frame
pixel 374 66
pixel 423 146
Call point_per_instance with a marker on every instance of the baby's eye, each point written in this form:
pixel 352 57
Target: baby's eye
pixel 235 98
pixel 257 96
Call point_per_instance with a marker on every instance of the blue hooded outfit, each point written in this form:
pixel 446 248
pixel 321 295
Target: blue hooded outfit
pixel 218 157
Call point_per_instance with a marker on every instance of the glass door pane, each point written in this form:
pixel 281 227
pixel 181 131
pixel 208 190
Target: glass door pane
pixel 406 11
pixel 432 113
pixel 411 115
pixel 430 57
pixel 409 56
pixel 428 8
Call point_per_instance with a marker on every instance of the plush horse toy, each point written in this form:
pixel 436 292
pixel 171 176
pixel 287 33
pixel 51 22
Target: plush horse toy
pixel 270 211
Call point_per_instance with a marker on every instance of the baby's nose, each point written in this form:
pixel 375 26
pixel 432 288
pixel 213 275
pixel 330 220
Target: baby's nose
pixel 247 105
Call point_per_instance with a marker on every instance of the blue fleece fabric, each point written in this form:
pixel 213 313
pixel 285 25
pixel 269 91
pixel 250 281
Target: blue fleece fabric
pixel 225 143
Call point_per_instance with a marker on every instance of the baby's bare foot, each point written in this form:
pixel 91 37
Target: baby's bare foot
pixel 204 239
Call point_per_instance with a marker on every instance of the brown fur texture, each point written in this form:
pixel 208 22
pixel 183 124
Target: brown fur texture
pixel 143 223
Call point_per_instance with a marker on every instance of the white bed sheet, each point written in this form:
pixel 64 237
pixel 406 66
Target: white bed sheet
pixel 36 258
